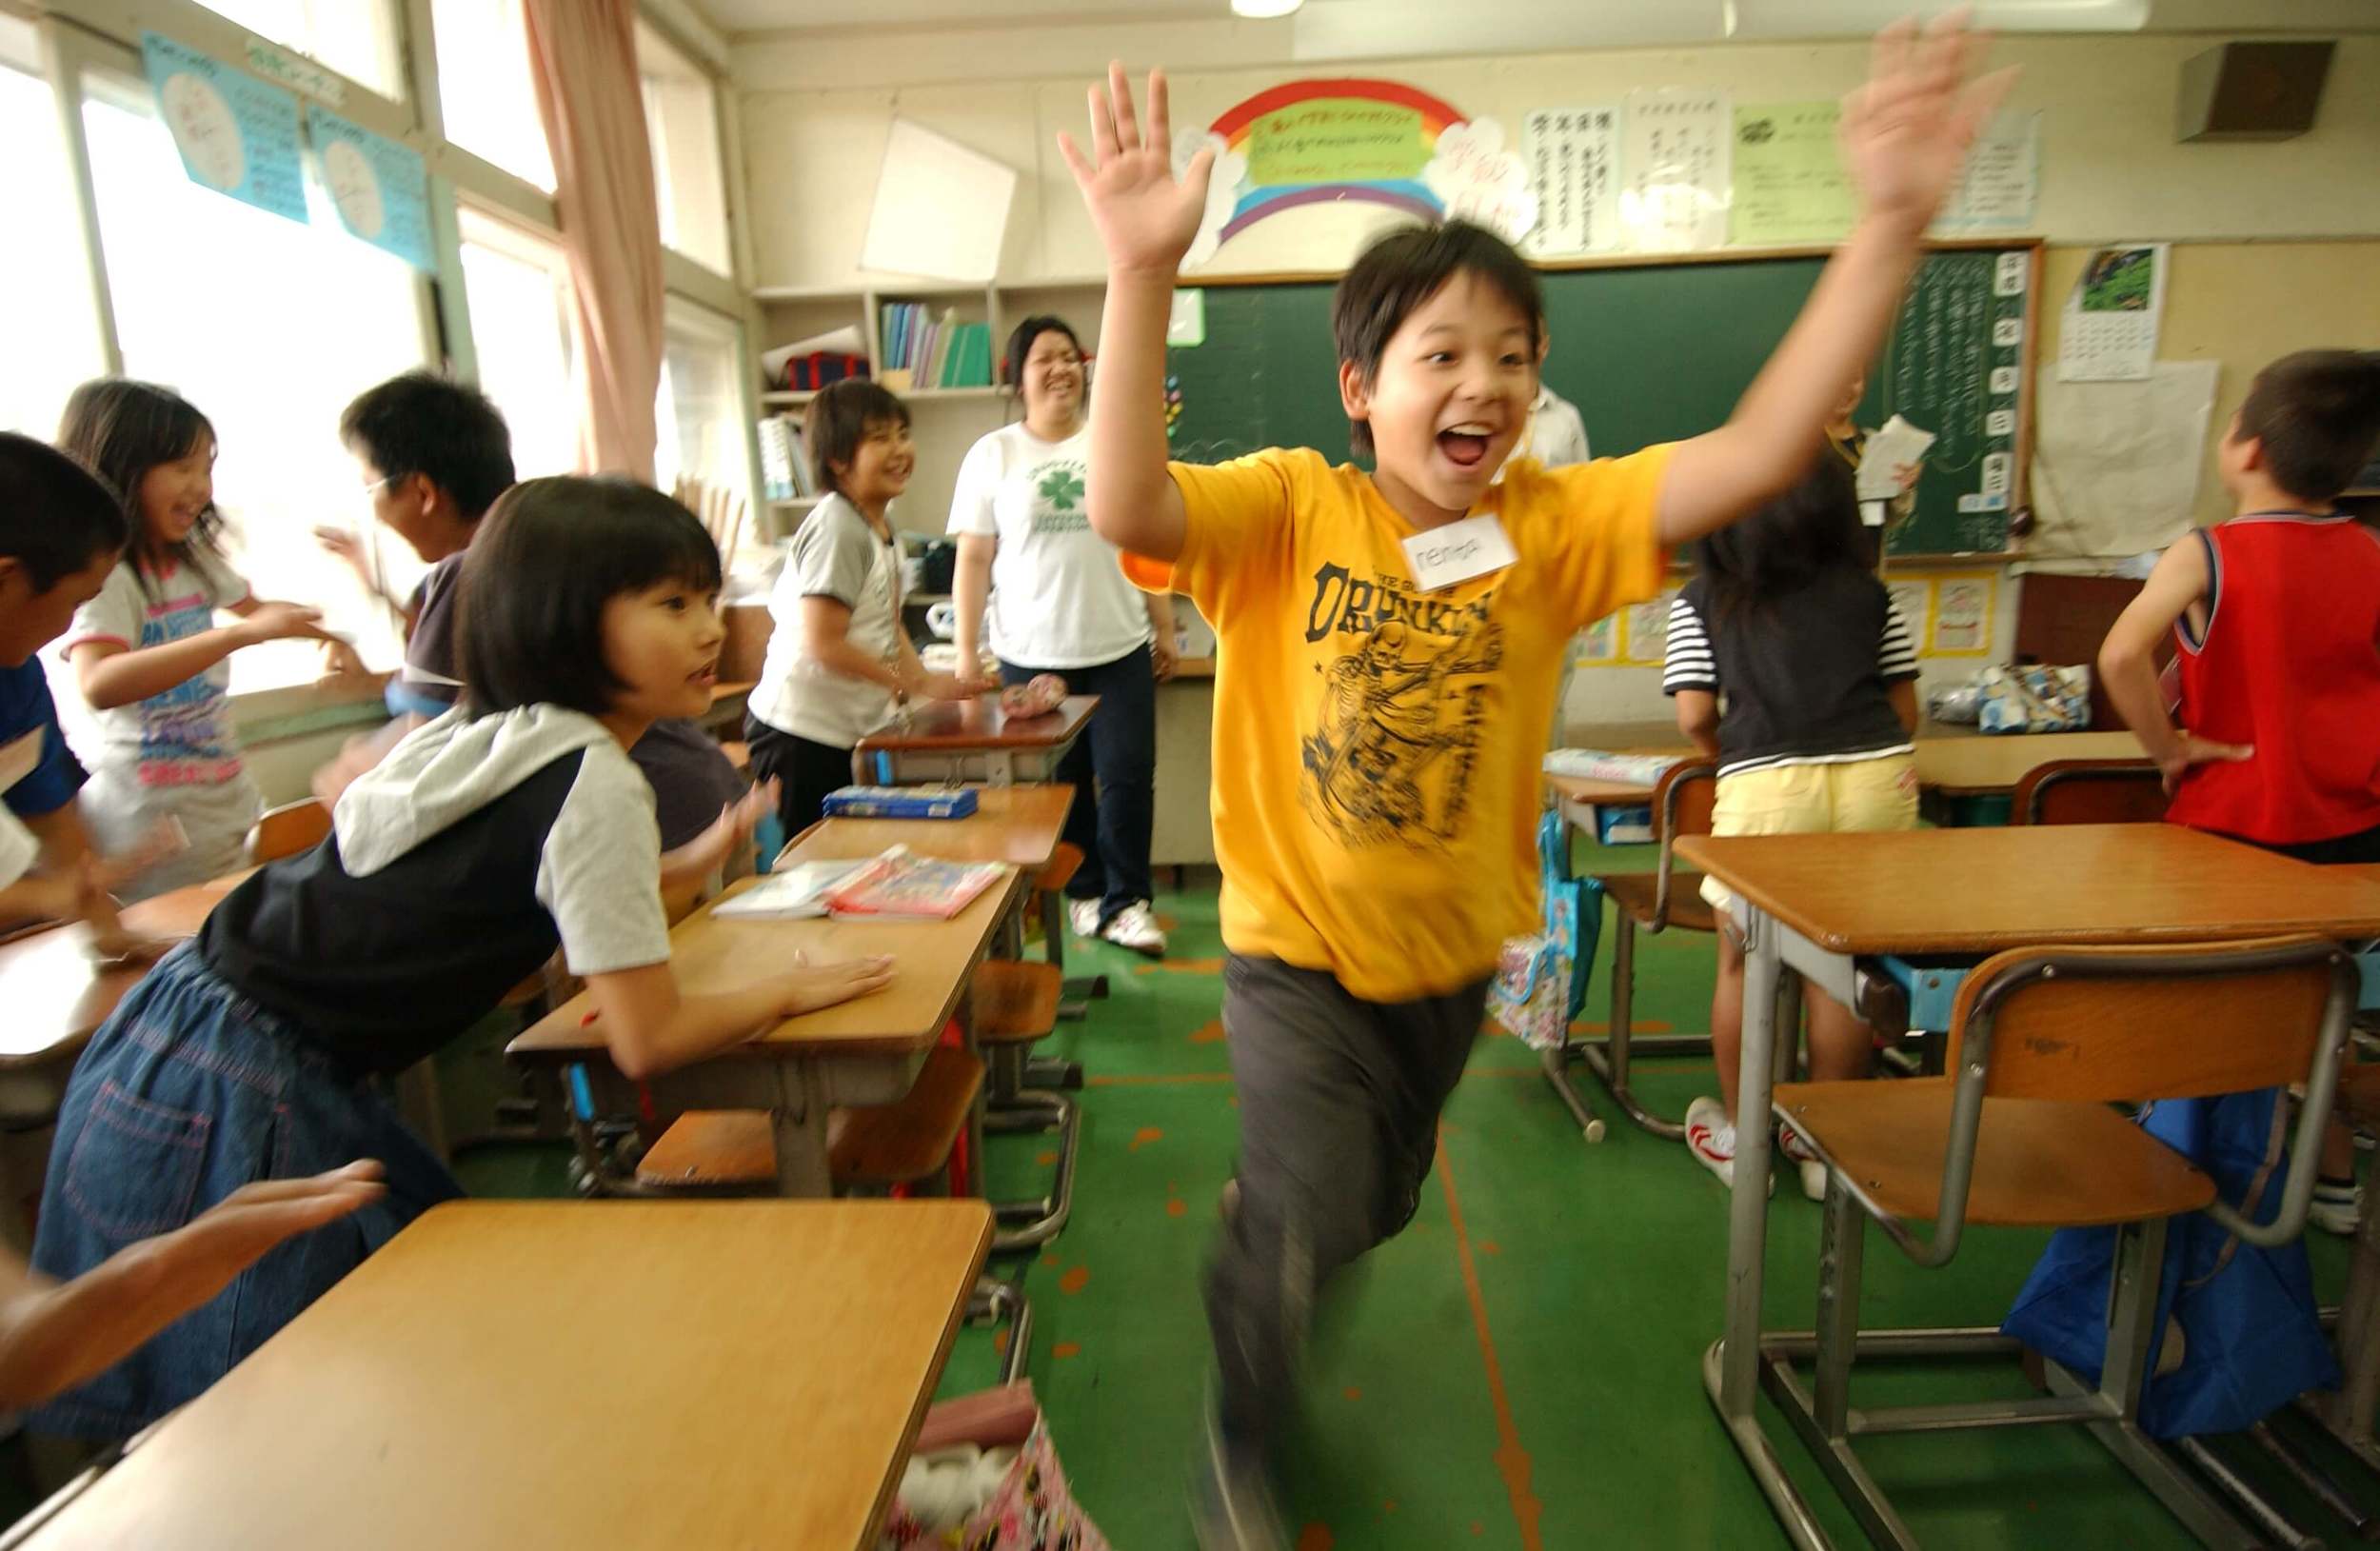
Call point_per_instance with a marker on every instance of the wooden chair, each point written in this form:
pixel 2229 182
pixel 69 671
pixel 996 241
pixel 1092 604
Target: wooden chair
pixel 2043 1042
pixel 286 830
pixel 1651 902
pixel 2089 791
pixel 1016 1006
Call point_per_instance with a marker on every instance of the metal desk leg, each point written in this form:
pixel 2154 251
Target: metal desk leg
pixel 798 1118
pixel 1731 1368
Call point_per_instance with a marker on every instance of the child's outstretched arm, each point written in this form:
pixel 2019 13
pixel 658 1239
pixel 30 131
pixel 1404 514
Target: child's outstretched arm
pixel 2127 663
pixel 1905 136
pixel 112 674
pixel 1146 218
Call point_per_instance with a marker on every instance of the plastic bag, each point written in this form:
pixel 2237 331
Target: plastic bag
pixel 1542 980
pixel 1030 1508
pixel 2035 698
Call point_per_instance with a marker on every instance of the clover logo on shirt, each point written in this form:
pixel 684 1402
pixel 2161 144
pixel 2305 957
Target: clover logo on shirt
pixel 1062 486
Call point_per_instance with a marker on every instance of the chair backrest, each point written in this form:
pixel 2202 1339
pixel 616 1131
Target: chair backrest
pixel 1682 801
pixel 2185 1020
pixel 2089 791
pixel 720 511
pixel 286 830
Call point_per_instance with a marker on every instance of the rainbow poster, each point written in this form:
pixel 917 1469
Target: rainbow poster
pixel 1345 138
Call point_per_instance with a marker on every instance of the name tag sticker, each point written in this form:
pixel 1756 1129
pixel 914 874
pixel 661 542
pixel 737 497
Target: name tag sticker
pixel 1459 552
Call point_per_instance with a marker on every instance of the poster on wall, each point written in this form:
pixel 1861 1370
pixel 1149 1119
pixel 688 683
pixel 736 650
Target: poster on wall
pixel 941 210
pixel 2109 332
pixel 1673 169
pixel 1477 180
pixel 1644 631
pixel 1598 645
pixel 1573 156
pixel 1790 184
pixel 1961 626
pixel 380 189
pixel 1914 597
pixel 237 135
pixel 2001 187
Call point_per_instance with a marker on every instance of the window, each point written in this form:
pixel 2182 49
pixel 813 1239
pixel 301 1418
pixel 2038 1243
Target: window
pixel 355 37
pixel 269 327
pixel 700 408
pixel 681 120
pixel 518 286
pixel 483 86
pixel 51 346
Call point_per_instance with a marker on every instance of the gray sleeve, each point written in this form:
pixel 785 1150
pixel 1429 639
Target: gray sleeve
pixel 832 557
pixel 599 874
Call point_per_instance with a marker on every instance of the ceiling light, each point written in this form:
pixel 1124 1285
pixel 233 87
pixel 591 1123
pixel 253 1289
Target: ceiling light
pixel 1264 10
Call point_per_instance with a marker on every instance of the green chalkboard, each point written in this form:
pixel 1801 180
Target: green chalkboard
pixel 1657 351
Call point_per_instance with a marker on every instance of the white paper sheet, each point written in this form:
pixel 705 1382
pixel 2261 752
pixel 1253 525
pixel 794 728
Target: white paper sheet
pixel 940 210
pixel 2116 465
pixel 1675 170
pixel 1573 156
pixel 2000 189
pixel 1898 443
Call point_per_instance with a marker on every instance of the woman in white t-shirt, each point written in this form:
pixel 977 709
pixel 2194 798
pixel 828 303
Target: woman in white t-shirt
pixel 1060 604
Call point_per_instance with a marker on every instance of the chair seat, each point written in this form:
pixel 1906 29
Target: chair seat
pixel 1063 864
pixel 1639 893
pixel 2038 1163
pixel 895 1144
pixel 2359 1094
pixel 1016 1003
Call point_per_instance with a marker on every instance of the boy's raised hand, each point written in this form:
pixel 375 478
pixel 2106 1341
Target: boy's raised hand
pixel 1905 133
pixel 1146 217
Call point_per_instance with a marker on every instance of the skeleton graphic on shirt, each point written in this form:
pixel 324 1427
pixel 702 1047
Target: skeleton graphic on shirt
pixel 1393 746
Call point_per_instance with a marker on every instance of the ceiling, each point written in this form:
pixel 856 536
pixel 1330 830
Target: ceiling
pixel 1338 28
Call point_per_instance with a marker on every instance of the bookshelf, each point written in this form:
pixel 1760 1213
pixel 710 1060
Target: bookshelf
pixel 945 421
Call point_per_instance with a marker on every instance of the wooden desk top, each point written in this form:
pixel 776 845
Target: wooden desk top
pixel 980 723
pixel 566 1374
pixel 1957 763
pixel 933 959
pixel 1016 824
pixel 1981 890
pixel 57 995
pixel 1585 789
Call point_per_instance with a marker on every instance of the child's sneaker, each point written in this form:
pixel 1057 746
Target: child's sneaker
pixel 2337 1207
pixel 1084 916
pixel 1231 1507
pixel 1789 1142
pixel 1710 1137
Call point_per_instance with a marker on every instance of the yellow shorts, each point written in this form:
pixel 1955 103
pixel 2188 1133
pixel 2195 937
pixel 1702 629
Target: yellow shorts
pixel 1814 799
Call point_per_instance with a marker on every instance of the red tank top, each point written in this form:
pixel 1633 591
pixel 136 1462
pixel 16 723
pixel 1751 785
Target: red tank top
pixel 2289 665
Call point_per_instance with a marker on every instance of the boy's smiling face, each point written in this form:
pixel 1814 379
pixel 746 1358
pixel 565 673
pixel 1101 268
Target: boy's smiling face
pixel 1450 399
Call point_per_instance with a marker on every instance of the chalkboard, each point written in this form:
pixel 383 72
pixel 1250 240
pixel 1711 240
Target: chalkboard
pixel 1656 351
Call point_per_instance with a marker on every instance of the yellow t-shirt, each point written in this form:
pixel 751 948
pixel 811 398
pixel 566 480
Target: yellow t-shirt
pixel 1376 747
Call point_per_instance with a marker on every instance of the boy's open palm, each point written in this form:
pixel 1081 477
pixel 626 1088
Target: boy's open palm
pixel 1146 217
pixel 1905 133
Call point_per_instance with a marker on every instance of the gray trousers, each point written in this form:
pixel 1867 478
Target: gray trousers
pixel 1339 1107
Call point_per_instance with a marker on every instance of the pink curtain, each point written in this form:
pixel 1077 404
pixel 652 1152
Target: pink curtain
pixel 582 58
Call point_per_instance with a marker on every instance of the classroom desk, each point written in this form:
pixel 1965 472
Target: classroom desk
pixel 57 995
pixel 953 739
pixel 863 1052
pixel 1813 905
pixel 551 1374
pixel 1020 826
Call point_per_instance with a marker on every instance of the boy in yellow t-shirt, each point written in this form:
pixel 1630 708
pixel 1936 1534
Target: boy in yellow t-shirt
pixel 1388 646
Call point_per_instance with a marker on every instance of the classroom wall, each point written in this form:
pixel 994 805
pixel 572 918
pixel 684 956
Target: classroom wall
pixel 2281 240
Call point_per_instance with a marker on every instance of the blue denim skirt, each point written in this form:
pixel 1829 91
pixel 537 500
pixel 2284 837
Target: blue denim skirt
pixel 188 1092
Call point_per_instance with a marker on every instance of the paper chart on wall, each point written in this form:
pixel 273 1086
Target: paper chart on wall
pixel 1573 156
pixel 1675 170
pixel 2108 332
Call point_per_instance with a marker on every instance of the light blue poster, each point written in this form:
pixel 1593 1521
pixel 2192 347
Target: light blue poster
pixel 380 189
pixel 237 135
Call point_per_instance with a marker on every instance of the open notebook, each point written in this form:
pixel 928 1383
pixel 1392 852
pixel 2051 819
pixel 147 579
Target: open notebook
pixel 893 885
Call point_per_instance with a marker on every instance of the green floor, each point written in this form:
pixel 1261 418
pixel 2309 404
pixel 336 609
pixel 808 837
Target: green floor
pixel 1520 1368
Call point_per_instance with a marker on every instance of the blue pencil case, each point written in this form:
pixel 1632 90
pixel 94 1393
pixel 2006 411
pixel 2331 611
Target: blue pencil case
pixel 900 803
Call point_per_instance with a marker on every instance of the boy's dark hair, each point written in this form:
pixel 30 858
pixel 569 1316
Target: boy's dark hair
pixel 1811 531
pixel 549 555
pixel 56 516
pixel 1405 268
pixel 420 423
pixel 2318 414
pixel 121 430
pixel 1020 345
pixel 841 417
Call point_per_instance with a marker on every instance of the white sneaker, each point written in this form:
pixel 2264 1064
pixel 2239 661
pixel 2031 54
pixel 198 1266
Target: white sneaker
pixel 1084 916
pixel 1710 1137
pixel 2336 1209
pixel 1135 927
pixel 1789 1142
